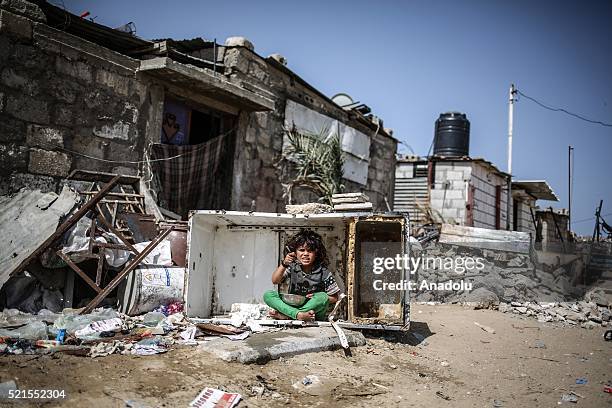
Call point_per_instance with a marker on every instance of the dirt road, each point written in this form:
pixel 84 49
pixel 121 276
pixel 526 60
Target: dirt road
pixel 523 364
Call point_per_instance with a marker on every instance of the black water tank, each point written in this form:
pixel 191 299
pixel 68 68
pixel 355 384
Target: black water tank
pixel 452 135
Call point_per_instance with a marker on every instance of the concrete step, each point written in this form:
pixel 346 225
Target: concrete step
pixel 262 347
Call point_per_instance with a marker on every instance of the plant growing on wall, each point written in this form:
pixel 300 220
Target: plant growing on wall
pixel 316 162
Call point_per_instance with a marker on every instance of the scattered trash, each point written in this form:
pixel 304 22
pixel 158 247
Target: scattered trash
pixel 569 398
pixel 443 396
pixel 34 330
pixel 392 366
pixel 170 309
pixel 212 398
pixel 608 335
pixel 104 349
pixel 240 336
pixel 444 363
pixel 306 381
pixel 581 380
pixel 47 343
pixel 95 328
pixel 485 328
pixel 61 336
pixel 608 389
pixel 540 344
pixel 497 404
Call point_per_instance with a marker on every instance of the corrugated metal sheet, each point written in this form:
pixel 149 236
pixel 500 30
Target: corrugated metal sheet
pixel 409 191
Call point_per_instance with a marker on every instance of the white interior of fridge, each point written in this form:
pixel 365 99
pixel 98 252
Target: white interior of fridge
pixel 232 255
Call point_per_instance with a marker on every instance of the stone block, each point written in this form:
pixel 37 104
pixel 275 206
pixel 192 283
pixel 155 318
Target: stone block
pixel 454 175
pixel 15 25
pixel 63 116
pixel 25 8
pixel 119 130
pixel 116 82
pixel 12 79
pixel 11 130
pixel 28 109
pixel 76 69
pixel 31 57
pixel 454 194
pixel 49 163
pixel 44 137
pixel 13 157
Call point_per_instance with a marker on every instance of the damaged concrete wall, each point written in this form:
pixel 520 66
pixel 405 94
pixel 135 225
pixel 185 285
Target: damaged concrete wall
pixel 62 97
pixel 260 136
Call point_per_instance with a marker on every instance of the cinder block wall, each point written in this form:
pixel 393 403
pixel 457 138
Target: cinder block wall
pixel 60 93
pixel 449 192
pixel 260 137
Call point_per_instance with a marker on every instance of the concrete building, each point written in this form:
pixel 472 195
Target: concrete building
pixel 552 229
pixel 78 95
pixel 465 191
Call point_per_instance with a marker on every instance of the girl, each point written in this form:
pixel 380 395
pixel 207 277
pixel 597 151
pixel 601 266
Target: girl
pixel 305 267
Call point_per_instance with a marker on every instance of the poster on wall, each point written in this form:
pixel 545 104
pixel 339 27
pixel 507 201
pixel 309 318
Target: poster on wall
pixel 175 125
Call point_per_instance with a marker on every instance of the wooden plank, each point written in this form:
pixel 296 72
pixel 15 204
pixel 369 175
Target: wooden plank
pixel 509 241
pixel 79 271
pixel 499 235
pixel 128 268
pixel 66 225
pixel 113 194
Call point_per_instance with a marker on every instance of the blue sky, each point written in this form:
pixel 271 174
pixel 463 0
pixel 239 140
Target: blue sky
pixel 411 60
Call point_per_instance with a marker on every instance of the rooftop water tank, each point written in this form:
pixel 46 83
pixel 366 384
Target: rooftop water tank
pixel 452 135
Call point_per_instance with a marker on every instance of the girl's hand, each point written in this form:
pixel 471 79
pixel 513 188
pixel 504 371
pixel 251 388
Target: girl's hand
pixel 309 296
pixel 289 258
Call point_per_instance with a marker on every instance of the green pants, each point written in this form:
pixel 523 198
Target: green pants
pixel 318 303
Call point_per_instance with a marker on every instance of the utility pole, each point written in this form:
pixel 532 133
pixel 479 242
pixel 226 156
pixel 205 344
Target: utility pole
pixel 569 187
pixel 510 130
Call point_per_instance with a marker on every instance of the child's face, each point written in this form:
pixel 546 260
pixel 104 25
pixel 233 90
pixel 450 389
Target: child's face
pixel 305 256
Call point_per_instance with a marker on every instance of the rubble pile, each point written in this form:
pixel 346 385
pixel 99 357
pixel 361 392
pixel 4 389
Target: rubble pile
pixel 588 315
pixel 504 277
pixel 594 311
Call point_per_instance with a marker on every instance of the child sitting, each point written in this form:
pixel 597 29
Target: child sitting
pixel 305 267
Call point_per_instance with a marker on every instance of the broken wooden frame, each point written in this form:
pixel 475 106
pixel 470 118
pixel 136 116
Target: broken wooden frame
pixel 93 205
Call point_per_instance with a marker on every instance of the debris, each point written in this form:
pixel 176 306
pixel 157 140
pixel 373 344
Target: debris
pixel 212 397
pixel 608 389
pixel 569 398
pixel 608 335
pixel 34 330
pixel 540 344
pixel 497 404
pixel 95 328
pixel 485 328
pixel 104 349
pixel 581 380
pixel 443 396
pixel 444 363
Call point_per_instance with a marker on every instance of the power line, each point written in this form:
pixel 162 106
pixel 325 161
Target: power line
pixel 564 111
pixel 590 219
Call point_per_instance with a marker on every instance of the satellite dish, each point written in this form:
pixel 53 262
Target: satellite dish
pixel 342 100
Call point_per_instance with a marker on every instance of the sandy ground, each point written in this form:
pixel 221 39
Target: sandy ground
pixel 458 365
